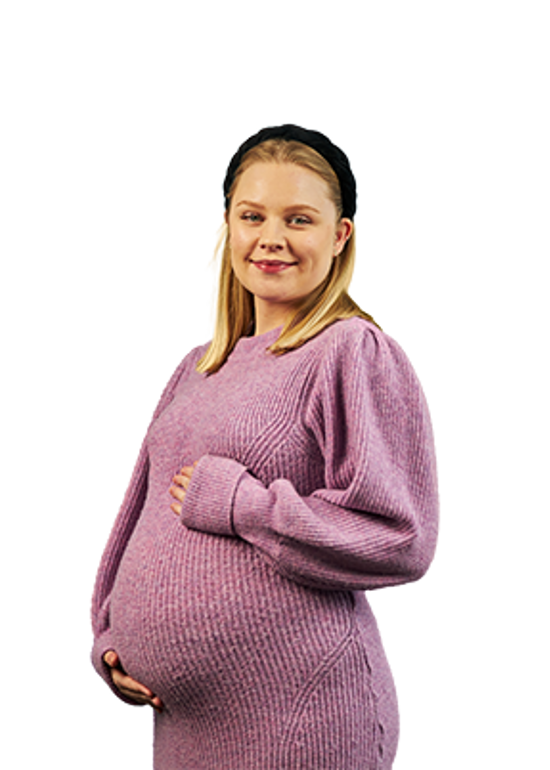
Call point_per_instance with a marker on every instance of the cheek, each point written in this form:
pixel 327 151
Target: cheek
pixel 242 241
pixel 239 242
pixel 308 247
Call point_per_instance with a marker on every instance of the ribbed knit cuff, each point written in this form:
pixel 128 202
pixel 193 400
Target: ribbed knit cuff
pixel 208 502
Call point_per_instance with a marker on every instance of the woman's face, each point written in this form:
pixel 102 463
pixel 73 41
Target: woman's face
pixel 284 234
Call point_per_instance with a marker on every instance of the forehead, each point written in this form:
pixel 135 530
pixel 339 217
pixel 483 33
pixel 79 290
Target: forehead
pixel 282 184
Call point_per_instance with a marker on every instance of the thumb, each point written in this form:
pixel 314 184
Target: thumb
pixel 111 658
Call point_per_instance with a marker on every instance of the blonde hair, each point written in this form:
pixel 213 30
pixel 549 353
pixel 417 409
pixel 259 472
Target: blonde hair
pixel 328 303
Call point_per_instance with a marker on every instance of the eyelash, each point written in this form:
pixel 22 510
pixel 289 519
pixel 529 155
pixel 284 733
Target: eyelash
pixel 306 219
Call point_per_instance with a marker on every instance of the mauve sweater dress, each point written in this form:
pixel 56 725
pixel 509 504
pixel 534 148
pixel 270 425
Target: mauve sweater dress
pixel 247 615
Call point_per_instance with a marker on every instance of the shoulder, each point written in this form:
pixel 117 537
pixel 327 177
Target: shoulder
pixel 188 364
pixel 360 338
pixel 348 331
pixel 185 369
pixel 358 354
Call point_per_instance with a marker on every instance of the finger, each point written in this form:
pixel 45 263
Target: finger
pixel 129 683
pixel 177 493
pixel 182 481
pixel 136 691
pixel 111 658
pixel 176 507
pixel 131 686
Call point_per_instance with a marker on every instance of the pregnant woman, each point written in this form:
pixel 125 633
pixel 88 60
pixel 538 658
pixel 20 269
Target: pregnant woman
pixel 289 467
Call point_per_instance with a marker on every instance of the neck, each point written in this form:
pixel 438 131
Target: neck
pixel 269 317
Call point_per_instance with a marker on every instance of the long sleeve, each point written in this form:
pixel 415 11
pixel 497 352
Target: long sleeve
pixel 122 530
pixel 374 522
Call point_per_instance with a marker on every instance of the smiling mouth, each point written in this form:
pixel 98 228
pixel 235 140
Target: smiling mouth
pixel 271 262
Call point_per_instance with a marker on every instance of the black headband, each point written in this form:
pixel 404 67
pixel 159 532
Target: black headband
pixel 319 142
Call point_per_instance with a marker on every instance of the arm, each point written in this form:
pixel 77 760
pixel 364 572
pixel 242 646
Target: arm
pixel 122 525
pixel 374 523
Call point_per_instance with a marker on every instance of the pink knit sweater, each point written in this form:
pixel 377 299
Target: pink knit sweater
pixel 246 614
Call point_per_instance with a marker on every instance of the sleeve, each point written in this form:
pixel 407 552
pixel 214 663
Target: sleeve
pixel 374 523
pixel 124 525
pixel 120 535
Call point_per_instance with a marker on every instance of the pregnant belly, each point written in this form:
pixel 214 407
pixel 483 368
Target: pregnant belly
pixel 195 616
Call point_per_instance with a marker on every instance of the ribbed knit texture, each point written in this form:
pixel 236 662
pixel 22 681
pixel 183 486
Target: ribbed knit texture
pixel 246 614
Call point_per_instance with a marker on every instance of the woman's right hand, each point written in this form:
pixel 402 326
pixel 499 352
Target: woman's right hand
pixel 129 687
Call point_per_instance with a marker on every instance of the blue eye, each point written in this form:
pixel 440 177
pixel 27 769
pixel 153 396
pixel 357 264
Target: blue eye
pixel 305 220
pixel 300 220
pixel 248 216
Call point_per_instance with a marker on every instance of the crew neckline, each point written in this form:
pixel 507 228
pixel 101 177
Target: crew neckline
pixel 261 340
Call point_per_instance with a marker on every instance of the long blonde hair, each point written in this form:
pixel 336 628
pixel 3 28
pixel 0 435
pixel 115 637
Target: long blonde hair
pixel 329 302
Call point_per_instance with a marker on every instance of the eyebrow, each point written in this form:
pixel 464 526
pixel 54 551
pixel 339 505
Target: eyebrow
pixel 295 206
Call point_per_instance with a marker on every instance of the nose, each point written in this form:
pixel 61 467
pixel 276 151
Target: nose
pixel 271 236
pixel 270 246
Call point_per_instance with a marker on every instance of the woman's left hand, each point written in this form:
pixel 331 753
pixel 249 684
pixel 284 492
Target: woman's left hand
pixel 181 482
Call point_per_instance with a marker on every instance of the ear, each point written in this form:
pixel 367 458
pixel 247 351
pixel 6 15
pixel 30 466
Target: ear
pixel 343 233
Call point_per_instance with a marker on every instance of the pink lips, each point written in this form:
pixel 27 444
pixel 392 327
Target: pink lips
pixel 272 262
pixel 270 267
pixel 273 267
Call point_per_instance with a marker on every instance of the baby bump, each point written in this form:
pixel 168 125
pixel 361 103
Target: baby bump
pixel 195 616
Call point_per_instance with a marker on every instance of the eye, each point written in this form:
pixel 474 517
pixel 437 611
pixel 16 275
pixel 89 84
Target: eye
pixel 300 220
pixel 304 220
pixel 250 216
